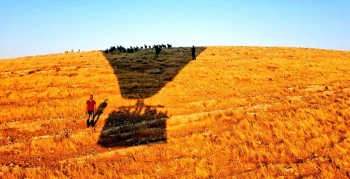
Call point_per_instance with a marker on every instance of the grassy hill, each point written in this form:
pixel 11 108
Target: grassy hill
pixel 234 112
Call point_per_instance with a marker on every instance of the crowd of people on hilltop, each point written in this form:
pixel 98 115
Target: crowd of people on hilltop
pixel 158 49
pixel 131 49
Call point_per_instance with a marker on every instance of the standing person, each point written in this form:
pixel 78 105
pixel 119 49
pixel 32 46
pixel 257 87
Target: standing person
pixel 193 53
pixel 90 109
pixel 158 49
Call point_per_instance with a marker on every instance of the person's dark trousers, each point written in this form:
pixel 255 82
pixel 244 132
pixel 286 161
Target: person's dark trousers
pixel 90 115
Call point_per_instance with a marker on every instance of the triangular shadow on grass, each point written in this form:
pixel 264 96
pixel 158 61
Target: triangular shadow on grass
pixel 140 76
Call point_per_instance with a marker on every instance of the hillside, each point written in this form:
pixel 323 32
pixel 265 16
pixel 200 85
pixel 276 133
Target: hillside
pixel 234 112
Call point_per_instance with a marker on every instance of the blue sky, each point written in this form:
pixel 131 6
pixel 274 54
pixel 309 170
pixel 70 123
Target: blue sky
pixel 36 27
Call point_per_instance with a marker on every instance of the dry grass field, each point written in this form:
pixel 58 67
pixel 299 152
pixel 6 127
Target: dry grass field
pixel 234 112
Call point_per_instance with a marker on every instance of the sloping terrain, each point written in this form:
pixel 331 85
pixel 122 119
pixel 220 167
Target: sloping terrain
pixel 234 112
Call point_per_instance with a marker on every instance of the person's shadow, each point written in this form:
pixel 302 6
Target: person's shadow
pixel 98 113
pixel 140 77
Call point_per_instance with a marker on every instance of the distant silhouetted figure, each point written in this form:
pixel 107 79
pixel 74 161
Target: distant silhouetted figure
pixel 90 109
pixel 158 49
pixel 193 53
pixel 112 49
pixel 98 113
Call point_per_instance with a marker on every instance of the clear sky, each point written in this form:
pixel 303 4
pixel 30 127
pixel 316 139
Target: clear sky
pixel 36 27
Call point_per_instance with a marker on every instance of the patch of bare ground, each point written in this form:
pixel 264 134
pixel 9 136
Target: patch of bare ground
pixel 234 112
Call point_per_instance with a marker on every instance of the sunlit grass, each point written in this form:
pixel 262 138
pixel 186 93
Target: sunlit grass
pixel 235 112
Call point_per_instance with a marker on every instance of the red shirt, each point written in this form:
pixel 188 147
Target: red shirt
pixel 91 105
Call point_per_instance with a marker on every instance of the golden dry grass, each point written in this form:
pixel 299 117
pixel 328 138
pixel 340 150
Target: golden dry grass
pixel 235 112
